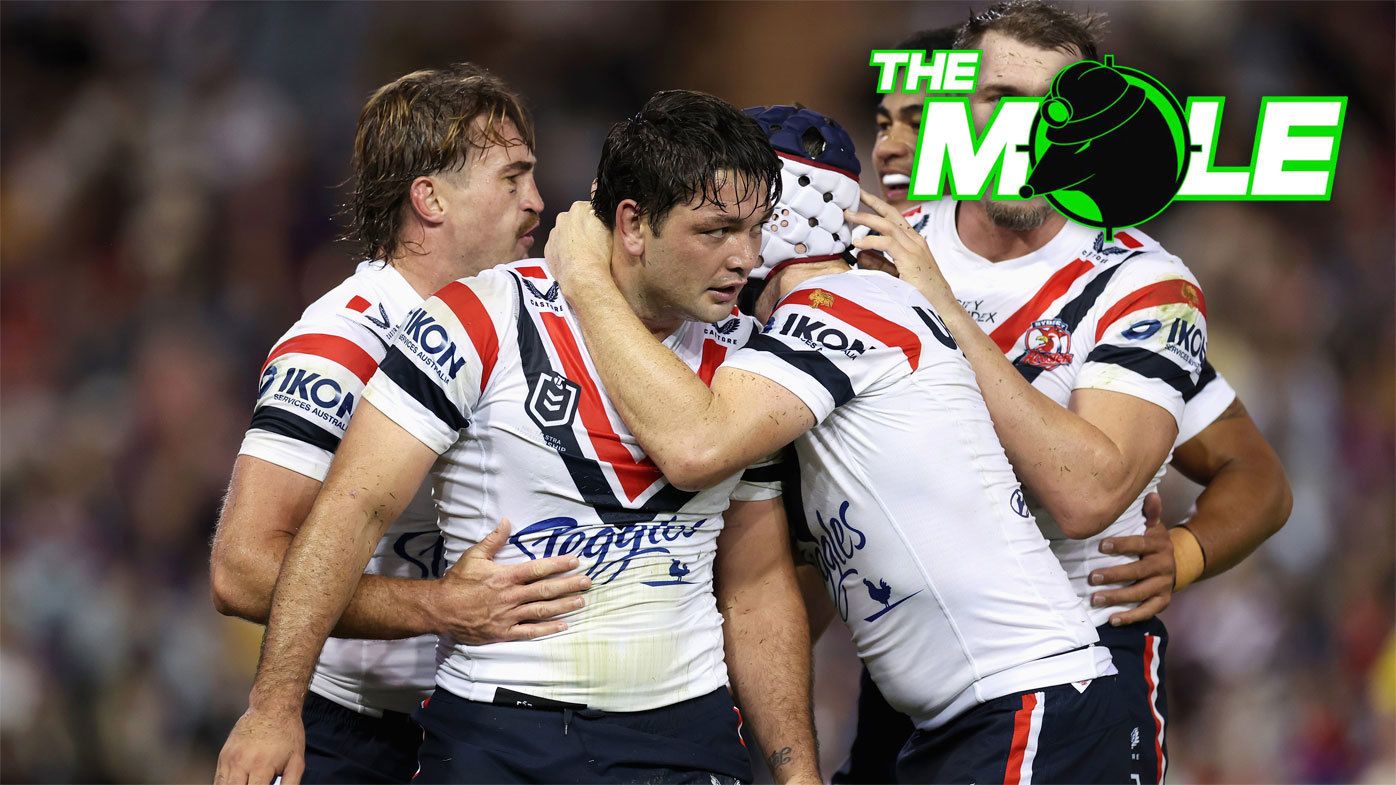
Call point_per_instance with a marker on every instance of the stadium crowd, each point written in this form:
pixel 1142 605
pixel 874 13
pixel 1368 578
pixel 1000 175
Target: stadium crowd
pixel 169 205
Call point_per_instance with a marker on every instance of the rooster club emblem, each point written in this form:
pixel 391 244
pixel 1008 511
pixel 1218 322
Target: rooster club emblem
pixel 820 299
pixel 1048 343
pixel 1190 294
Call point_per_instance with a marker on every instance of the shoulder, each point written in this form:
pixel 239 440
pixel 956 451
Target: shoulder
pixel 734 330
pixel 348 324
pixel 487 299
pixel 1132 256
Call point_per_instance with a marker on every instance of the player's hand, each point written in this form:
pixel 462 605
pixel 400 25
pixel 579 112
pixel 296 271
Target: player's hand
pixel 261 746
pixel 872 260
pixel 579 248
pixel 480 601
pixel 895 238
pixel 1150 578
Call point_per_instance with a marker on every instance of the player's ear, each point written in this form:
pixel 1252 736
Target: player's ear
pixel 630 227
pixel 427 200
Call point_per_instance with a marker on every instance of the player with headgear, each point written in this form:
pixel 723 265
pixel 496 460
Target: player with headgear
pixel 912 512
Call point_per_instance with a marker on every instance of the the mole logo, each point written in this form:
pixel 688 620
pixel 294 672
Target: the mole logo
pixel 1109 146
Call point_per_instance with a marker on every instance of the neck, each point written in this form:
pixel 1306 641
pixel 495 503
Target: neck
pixel 997 244
pixel 425 272
pixel 790 278
pixel 657 318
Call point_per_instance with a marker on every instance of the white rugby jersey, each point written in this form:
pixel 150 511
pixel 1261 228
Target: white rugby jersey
pixel 310 384
pixel 912 512
pixel 492 374
pixel 1078 313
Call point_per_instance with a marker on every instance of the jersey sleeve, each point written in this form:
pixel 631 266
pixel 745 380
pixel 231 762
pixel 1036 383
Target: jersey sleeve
pixel 1150 339
pixel 825 347
pixel 309 387
pixel 1212 396
pixel 440 362
pixel 761 481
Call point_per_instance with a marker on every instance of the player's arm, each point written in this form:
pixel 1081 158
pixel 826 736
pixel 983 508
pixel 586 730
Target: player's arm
pixel 1245 499
pixel 1247 496
pixel 476 601
pixel 1085 463
pixel 378 468
pixel 696 435
pixel 819 607
pixel 766 638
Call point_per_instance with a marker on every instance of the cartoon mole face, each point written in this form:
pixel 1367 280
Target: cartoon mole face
pixel 1109 146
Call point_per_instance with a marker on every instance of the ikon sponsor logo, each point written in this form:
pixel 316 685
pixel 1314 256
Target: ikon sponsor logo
pixel 1142 329
pixel 816 334
pixel 552 401
pixel 431 343
pixel 308 391
pixel 1187 341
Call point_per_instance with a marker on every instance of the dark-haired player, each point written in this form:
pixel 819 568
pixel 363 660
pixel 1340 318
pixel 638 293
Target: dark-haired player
pixel 956 603
pixel 489 386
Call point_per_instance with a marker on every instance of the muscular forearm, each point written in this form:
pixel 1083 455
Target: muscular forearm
pixel 382 608
pixel 1065 462
pixel 321 569
pixel 768 662
pixel 1245 497
pixel 1238 510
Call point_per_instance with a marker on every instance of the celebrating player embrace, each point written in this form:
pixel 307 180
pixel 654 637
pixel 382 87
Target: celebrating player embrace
pixel 956 603
pixel 489 386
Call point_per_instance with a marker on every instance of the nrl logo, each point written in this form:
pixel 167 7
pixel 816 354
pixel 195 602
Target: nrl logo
pixel 553 400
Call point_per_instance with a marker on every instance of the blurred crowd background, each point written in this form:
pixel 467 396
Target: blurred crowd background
pixel 171 177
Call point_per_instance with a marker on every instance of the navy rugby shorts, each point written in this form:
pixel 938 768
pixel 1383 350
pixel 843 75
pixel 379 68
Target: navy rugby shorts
pixel 344 746
pixel 694 741
pixel 1138 651
pixel 1059 734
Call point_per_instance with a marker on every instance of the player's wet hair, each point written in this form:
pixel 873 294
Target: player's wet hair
pixel 420 124
pixel 1039 24
pixel 679 147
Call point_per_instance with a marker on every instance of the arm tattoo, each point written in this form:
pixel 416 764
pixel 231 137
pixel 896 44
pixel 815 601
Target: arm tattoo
pixel 778 758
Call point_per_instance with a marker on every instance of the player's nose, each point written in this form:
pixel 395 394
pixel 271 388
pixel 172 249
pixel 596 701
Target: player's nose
pixel 893 147
pixel 531 199
pixel 745 257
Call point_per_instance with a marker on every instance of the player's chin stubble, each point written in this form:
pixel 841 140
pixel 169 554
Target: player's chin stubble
pixel 1018 216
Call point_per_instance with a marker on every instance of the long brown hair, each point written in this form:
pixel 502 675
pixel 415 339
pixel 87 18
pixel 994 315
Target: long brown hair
pixel 425 122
